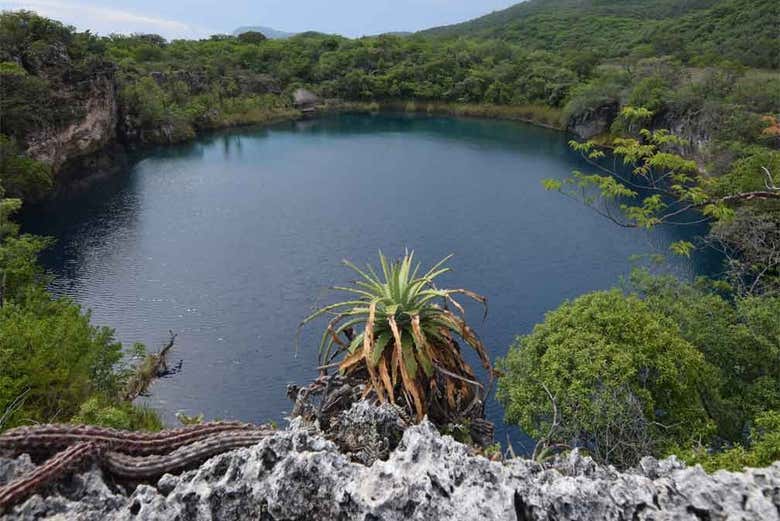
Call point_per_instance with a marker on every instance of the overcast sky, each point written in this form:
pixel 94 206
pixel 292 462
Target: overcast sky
pixel 198 18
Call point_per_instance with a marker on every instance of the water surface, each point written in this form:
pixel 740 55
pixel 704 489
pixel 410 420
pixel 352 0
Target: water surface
pixel 230 241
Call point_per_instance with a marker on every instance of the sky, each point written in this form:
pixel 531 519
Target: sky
pixel 200 18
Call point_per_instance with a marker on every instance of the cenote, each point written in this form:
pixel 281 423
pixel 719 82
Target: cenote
pixel 231 240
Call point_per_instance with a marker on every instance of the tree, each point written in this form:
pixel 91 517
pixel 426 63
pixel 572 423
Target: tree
pixel 252 37
pixel 739 337
pixel 661 186
pixel 624 381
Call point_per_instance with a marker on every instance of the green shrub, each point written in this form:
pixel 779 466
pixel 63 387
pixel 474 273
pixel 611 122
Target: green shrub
pixel 118 415
pixel 650 93
pixel 147 101
pixel 624 380
pixel 740 338
pixel 53 358
pixel 21 176
pixel 763 450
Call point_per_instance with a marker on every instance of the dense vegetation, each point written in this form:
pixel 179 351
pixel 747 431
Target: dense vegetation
pixel 658 366
pixel 170 90
pixel 699 32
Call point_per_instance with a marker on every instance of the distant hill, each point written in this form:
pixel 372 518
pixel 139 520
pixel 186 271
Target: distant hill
pixel 504 21
pixel 747 31
pixel 273 34
pixel 401 34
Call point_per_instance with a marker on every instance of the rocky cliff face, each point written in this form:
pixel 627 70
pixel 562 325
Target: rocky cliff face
pixel 297 474
pixel 87 135
pixel 595 122
pixel 92 96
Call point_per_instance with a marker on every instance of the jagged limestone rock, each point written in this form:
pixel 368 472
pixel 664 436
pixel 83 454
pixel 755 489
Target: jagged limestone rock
pixel 366 433
pixel 297 474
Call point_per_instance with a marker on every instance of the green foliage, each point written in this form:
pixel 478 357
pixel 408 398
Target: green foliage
pixel 18 264
pixel 407 340
pixel 658 185
pixel 117 415
pixel 698 368
pixel 37 54
pixel 252 37
pixel 750 239
pixel 763 451
pixel 609 362
pixel 22 177
pixel 741 338
pixel 147 101
pixel 747 174
pixel 700 31
pixel 587 98
pixel 51 354
pixel 651 93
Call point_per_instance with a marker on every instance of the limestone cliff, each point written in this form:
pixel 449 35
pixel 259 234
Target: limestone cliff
pixel 298 474
pixel 97 103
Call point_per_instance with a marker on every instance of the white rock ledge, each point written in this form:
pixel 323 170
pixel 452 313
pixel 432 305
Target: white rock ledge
pixel 298 475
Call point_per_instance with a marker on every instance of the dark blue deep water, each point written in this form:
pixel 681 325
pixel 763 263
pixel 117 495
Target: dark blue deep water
pixel 231 240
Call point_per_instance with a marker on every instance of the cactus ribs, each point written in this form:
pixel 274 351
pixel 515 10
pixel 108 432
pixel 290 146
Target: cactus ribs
pixel 125 455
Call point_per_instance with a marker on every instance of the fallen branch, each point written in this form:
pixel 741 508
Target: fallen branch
pixel 151 367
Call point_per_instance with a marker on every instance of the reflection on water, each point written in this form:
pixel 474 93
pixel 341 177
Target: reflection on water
pixel 232 239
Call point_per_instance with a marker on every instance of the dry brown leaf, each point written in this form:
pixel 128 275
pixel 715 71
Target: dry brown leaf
pixel 410 384
pixel 368 345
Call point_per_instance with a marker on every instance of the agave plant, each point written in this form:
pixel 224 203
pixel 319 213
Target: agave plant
pixel 399 333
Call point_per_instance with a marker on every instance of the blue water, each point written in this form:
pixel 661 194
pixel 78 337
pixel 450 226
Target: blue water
pixel 231 240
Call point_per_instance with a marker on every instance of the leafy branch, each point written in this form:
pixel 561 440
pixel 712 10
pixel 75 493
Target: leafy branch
pixel 655 186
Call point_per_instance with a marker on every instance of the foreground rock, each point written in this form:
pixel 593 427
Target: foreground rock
pixel 299 475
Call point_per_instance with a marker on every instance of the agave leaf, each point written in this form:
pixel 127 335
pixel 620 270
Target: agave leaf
pixel 474 296
pixel 384 374
pixel 422 346
pixel 410 385
pixel 455 303
pixel 385 266
pixel 416 269
pixel 407 349
pixel 350 361
pixel 373 281
pixel 328 339
pixel 431 276
pixel 391 310
pixel 379 346
pixel 353 321
pixel 449 389
pixel 436 267
pixel 335 337
pixel 394 365
pixel 368 340
pixel 357 341
pixel 355 291
pixel 326 309
pixel 425 361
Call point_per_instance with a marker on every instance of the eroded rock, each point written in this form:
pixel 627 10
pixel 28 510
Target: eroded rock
pixel 297 474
